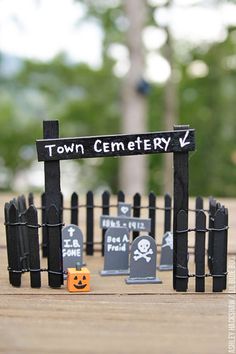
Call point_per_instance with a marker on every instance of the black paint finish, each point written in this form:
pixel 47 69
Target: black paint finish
pixel 117 145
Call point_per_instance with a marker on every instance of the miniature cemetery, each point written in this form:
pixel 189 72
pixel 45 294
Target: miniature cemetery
pixel 110 238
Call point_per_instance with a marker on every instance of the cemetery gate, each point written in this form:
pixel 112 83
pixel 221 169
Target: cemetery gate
pixel 180 141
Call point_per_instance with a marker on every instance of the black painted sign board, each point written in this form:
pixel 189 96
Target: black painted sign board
pixel 117 145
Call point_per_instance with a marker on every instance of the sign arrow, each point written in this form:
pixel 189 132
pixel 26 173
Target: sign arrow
pixel 183 141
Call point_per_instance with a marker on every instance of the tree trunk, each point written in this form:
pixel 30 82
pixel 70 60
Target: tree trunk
pixel 133 170
pixel 170 113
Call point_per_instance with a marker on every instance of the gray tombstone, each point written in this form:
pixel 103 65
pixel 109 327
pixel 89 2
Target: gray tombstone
pixel 124 209
pixel 143 261
pixel 116 251
pixel 72 246
pixel 166 261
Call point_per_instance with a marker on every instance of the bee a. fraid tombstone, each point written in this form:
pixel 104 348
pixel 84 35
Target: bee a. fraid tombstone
pixel 143 261
pixel 72 246
pixel 166 260
pixel 116 251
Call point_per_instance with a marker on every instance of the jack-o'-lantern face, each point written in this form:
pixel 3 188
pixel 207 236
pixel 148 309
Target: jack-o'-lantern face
pixel 78 280
pixel 78 283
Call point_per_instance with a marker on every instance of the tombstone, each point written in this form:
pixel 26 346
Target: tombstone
pixel 72 247
pixel 166 259
pixel 124 209
pixel 143 261
pixel 116 251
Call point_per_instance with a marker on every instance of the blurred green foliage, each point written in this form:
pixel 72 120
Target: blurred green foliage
pixel 87 102
pixel 207 104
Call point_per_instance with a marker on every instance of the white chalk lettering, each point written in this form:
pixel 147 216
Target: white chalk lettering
pixel 60 149
pixel 138 141
pixel 116 248
pixel 125 238
pixel 161 143
pixel 147 144
pixel 121 145
pixel 71 252
pixel 76 243
pixel 111 239
pixel 157 143
pixel 100 146
pixel 79 147
pixel 106 147
pixel 67 243
pixel 117 146
pixel 131 145
pixel 49 147
pixel 69 148
pixel 95 147
pixel 166 142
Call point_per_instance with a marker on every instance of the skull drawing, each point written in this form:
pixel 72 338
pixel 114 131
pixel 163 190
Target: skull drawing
pixel 143 250
pixel 143 246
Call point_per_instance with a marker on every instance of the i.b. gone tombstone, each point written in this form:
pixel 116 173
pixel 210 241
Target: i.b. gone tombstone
pixel 72 246
pixel 116 251
pixel 143 261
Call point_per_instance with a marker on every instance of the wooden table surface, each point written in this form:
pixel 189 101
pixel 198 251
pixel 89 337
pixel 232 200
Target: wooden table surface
pixel 113 317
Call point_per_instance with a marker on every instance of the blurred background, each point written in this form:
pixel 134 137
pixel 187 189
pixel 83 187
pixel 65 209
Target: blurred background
pixel 111 66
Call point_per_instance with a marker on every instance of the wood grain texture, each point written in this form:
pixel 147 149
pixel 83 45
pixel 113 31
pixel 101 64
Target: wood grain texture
pixel 113 318
pixel 117 324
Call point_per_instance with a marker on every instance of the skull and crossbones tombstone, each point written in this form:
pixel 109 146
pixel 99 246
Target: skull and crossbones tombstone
pixel 143 261
pixel 143 250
